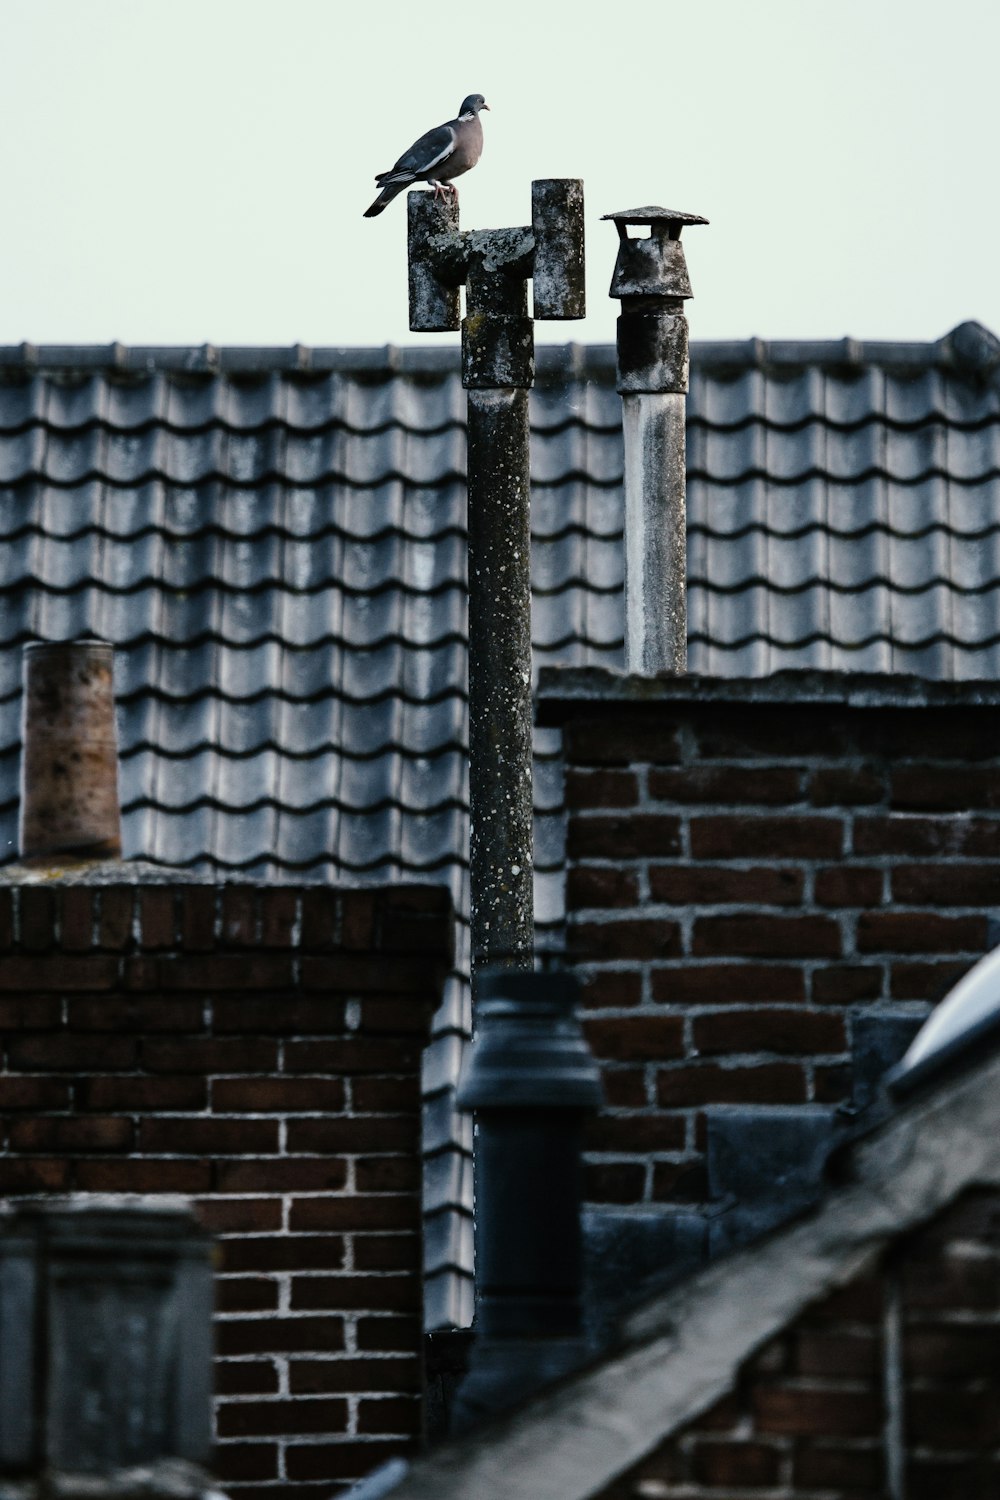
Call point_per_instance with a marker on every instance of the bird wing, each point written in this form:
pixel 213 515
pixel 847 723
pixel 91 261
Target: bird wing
pixel 431 149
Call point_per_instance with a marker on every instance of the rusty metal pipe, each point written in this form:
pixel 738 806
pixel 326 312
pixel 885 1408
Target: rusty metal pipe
pixel 69 753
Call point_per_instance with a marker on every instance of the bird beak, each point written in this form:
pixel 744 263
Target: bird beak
pixel 485 106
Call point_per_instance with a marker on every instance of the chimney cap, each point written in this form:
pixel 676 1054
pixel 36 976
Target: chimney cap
pixel 652 214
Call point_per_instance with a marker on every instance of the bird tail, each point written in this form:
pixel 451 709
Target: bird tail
pixel 385 197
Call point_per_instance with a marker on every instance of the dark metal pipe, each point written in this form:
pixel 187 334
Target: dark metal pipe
pixel 69 753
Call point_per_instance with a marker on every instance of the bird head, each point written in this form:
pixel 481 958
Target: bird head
pixel 472 105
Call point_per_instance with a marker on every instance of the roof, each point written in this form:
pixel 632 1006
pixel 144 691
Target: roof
pixel 682 1350
pixel 274 540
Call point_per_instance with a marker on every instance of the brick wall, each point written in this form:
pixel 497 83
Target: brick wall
pixel 749 865
pixel 258 1049
pixel 894 1376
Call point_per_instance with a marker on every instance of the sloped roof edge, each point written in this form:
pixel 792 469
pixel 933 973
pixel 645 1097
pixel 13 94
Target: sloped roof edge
pixel 969 346
pixel 683 1349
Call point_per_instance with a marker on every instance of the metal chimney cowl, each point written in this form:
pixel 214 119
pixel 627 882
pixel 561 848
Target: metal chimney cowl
pixel 531 1080
pixel 69 756
pixel 106 1341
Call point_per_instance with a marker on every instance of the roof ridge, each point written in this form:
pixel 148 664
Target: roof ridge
pixel 970 345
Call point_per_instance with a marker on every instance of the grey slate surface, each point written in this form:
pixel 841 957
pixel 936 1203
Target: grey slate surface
pixel 275 541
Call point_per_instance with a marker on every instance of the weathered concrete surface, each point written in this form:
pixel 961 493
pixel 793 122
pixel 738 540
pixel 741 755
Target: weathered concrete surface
pixel 655 533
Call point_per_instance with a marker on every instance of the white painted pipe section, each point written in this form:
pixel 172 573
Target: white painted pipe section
pixel 655 533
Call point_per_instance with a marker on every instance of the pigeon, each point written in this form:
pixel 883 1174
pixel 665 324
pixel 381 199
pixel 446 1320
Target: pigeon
pixel 437 157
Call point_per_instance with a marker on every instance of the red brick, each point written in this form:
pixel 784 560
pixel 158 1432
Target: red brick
pixel 767 936
pixel 746 785
pixel 77 918
pixel 281 1175
pixel 34 1012
pixel 389 1333
pixel 177 1135
pixel 245 1377
pixel 136 1175
pixel 280 1418
pixel 600 886
pixel 611 989
pixel 397 1016
pixel 368 1293
pixel 116 909
pixel 739 1464
pixel 625 837
pixel 62 1133
pixel 919 932
pixel 790 1031
pixel 227 971
pixel 347 1376
pixel 954 788
pixel 716 984
pixel 848 885
pixel 708 1083
pixel 281 1015
pixel 368 1133
pixel 816 1411
pixel 952 1281
pixel 279 911
pixel 135 1012
pixel 637 938
pixel 357 920
pixel 283 1252
pixel 198 913
pixel 907 833
pixel 240 1215
pixel 845 786
pixel 926 981
pixel 718 885
pixel 680 1181
pixel 832 1352
pixel 210 1055
pixel 843 984
pixel 624 1088
pixel 322 916
pixel 269 1335
pixel 356 1211
pixel 245 1461
pixel 947 1352
pixel 614 1182
pixel 37 909
pixel 239 916
pixel 35 1175
pixel 33 1093
pixel 601 788
pixel 748 837
pixel 860 1301
pixel 157 917
pixel 947 884
pixel 625 740
pixel 836 1468
pixel 744 732
pixel 386 1095
pixel 360 972
pixel 60 971
pixel 954 1415
pixel 637 1133
pixel 636 1038
pixel 356 1055
pixel 389 1414
pixel 245 1293
pixel 128 1092
pixel 387 1174
pixel 832 1083
pixel 70 1054
pixel 277 1095
pixel 337 1460
pixel 387 1252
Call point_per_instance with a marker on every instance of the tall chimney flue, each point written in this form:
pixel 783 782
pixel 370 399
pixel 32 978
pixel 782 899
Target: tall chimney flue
pixel 69 753
pixel 651 281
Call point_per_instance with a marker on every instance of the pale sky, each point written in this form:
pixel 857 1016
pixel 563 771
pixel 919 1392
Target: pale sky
pixel 190 171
